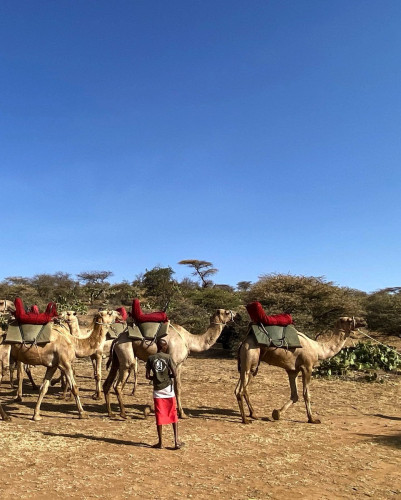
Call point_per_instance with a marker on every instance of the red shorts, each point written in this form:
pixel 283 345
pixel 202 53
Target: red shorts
pixel 165 411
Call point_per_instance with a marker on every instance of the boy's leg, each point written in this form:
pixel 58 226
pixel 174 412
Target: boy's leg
pixel 178 443
pixel 160 435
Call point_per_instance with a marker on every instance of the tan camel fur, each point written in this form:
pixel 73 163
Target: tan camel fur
pixel 180 344
pixel 60 353
pixel 293 360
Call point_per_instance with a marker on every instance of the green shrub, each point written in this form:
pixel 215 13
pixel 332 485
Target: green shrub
pixel 365 356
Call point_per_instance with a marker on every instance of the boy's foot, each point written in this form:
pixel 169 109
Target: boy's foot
pixel 157 445
pixel 178 446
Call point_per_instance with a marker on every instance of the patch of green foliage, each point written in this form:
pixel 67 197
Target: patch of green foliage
pixel 364 357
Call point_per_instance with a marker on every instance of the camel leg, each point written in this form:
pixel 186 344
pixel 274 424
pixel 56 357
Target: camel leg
pixel 69 374
pixel 178 393
pixel 29 373
pixel 108 384
pixel 43 390
pixel 306 379
pixel 122 380
pixel 3 414
pixel 97 370
pixel 241 394
pixel 135 371
pixel 292 377
pixel 20 377
pixel 11 370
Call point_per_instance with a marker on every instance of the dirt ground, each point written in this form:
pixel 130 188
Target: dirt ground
pixel 355 451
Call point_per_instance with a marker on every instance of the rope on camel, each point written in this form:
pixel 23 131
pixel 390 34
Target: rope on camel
pixel 377 342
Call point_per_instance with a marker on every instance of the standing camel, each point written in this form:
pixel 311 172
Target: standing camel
pixel 293 360
pixel 180 344
pixel 60 353
pixel 93 349
pixel 7 309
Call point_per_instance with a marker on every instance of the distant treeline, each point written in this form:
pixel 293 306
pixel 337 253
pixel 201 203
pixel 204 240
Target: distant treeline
pixel 314 302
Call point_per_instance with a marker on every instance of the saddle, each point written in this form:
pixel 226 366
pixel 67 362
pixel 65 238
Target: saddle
pixel 272 331
pixel 30 327
pixel 149 326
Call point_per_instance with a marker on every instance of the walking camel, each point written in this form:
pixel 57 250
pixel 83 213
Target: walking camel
pixel 293 360
pixel 61 351
pixel 180 344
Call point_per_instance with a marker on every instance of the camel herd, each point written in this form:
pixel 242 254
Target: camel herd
pixel 67 343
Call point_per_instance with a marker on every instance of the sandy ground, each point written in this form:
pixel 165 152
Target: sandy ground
pixel 355 452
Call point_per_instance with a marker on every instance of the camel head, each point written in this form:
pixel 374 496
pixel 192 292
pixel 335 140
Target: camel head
pixel 348 325
pixel 107 316
pixel 6 306
pixel 69 317
pixel 224 316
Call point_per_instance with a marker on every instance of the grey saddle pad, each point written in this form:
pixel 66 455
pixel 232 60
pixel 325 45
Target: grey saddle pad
pixel 147 331
pixel 115 330
pixel 28 334
pixel 276 336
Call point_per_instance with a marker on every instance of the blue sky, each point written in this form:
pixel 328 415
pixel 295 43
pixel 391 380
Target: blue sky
pixel 263 136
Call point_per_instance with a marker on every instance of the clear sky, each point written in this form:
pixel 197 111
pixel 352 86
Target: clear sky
pixel 263 136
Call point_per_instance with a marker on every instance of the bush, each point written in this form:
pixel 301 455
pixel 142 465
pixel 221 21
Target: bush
pixel 364 357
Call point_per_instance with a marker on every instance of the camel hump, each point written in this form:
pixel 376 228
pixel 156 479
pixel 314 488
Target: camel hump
pixel 141 317
pixel 258 315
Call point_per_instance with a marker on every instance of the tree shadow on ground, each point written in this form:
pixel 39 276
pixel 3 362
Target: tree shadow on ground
pixel 394 441
pixel 79 435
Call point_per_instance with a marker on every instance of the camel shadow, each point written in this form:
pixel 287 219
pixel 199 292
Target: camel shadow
pixel 79 435
pixel 212 413
pixel 390 417
pixel 394 441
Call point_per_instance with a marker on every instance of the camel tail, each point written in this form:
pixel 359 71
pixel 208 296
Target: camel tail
pixel 239 358
pixel 111 355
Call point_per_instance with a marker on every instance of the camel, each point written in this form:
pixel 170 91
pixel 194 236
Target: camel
pixel 293 360
pixel 7 309
pixel 94 350
pixel 60 353
pixel 180 344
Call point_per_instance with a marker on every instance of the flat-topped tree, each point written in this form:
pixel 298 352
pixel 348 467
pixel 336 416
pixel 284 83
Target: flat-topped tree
pixel 202 269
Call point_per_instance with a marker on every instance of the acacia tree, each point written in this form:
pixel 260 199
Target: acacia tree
pixel 313 302
pixel 94 283
pixel 202 269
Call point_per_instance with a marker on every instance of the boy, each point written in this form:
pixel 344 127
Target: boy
pixel 160 369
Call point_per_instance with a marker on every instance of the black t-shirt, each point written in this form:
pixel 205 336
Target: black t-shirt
pixel 161 365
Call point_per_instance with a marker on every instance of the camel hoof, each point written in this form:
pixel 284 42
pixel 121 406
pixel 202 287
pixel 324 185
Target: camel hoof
pixel 96 397
pixel 36 418
pixel 123 416
pixel 315 421
pixel 146 411
pixel 276 414
pixel 246 421
pixel 183 416
pixel 253 416
pixel 7 418
pixel 18 399
pixel 83 416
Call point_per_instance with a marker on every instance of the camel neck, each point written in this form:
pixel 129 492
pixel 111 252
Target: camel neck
pixel 89 345
pixel 330 347
pixel 203 342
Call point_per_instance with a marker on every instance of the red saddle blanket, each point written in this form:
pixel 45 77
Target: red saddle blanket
pixel 140 317
pixel 33 317
pixel 258 315
pixel 123 314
